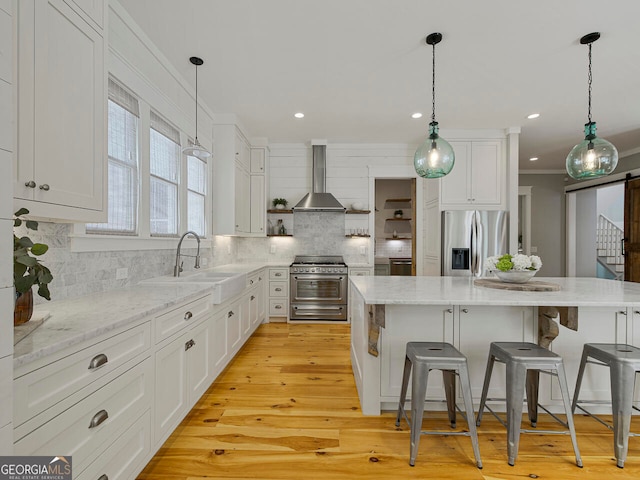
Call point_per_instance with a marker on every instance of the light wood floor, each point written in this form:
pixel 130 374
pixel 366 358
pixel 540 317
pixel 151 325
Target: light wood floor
pixel 287 408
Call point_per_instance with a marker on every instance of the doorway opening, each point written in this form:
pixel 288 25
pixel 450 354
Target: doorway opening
pixel 395 226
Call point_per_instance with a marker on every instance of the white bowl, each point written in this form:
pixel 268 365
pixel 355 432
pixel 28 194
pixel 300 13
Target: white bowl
pixel 515 276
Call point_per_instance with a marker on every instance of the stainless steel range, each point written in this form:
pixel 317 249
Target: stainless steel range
pixel 318 288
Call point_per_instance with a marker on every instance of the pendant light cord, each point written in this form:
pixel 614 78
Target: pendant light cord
pixel 197 103
pixel 590 80
pixel 433 84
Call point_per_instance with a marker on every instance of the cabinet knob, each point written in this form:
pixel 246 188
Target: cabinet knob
pixel 98 418
pixel 103 477
pixel 189 344
pixel 278 274
pixel 252 297
pixel 30 184
pixel 278 289
pixel 230 314
pixel 278 307
pixel 622 312
pixel 465 310
pixel 636 312
pixel 188 315
pixel 449 310
pixel 98 361
pixel 251 282
pixel 44 187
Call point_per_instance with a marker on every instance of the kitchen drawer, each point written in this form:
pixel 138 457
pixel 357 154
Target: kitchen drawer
pixel 41 389
pixel 175 320
pixel 278 308
pixel 111 408
pixel 278 274
pixel 122 459
pixel 278 289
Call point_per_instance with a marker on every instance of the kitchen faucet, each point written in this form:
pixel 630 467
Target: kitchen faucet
pixel 178 268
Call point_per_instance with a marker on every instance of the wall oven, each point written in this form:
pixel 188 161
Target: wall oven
pixel 318 288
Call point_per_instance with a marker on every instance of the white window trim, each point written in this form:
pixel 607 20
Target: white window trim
pixel 81 241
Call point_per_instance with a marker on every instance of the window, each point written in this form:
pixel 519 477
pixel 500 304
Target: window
pixel 164 167
pixel 122 144
pixel 196 194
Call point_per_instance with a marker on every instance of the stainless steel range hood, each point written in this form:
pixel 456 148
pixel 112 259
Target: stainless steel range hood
pixel 319 200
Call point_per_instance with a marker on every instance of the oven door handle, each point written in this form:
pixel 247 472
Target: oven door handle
pixel 319 277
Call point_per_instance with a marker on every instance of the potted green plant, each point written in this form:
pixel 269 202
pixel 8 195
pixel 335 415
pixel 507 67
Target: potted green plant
pixel 280 203
pixel 27 270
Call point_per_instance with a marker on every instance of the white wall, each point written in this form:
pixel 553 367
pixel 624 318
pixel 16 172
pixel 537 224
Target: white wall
pixel 586 207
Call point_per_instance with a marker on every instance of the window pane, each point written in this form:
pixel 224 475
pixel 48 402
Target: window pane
pixel 164 200
pixel 195 207
pixel 165 155
pixel 122 192
pixel 197 175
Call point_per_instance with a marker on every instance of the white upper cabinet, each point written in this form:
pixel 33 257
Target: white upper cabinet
pixel 60 166
pixel 478 177
pixel 239 194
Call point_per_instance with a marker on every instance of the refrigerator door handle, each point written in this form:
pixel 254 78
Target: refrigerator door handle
pixel 474 245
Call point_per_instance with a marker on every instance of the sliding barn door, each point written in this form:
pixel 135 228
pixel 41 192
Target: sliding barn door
pixel 632 231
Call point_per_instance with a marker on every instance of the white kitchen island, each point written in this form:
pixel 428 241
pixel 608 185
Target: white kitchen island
pixel 388 312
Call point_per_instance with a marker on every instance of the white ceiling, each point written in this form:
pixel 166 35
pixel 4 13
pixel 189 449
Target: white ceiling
pixel 358 69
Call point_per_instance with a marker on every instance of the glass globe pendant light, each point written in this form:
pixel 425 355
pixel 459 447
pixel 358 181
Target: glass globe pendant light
pixel 435 157
pixel 593 157
pixel 195 149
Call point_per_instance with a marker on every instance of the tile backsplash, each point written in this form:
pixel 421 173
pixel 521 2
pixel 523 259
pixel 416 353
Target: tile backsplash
pixel 82 273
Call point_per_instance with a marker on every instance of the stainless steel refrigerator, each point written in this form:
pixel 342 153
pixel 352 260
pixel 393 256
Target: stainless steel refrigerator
pixel 469 237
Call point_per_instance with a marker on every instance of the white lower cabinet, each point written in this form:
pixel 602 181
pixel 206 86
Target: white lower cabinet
pixel 279 293
pixel 123 458
pixel 219 353
pixel 171 395
pixel 234 328
pixel 85 429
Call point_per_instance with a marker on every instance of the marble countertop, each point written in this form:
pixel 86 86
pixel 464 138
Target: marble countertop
pixel 398 290
pixel 75 320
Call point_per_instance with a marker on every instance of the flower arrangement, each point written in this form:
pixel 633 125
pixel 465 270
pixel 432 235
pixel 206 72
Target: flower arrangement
pixel 517 262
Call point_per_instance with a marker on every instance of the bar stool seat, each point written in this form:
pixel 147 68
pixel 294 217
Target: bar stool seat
pixel 423 357
pixel 623 362
pixel 519 357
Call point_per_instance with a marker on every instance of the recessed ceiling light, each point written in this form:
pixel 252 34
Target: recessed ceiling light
pixel 533 115
pixel 299 115
pixel 416 115
pixel 533 159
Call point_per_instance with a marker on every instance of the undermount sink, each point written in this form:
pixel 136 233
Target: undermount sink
pixel 225 285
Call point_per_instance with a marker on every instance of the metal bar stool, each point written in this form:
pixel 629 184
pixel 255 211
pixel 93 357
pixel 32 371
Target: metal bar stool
pixel 518 358
pixel 423 357
pixel 623 362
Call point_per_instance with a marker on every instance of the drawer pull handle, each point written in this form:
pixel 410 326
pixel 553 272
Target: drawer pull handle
pixel 259 279
pixel 252 297
pixel 449 310
pixel 189 344
pixel 278 307
pixel 278 289
pixel 98 418
pixel 103 477
pixel 251 282
pixel 230 314
pixel 277 274
pixel 188 315
pixel 622 312
pixel 98 361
